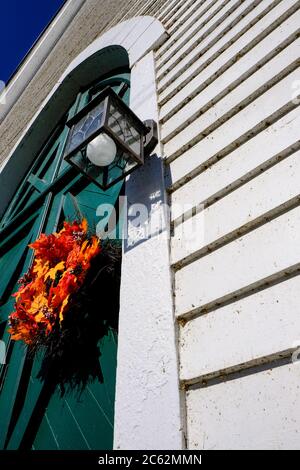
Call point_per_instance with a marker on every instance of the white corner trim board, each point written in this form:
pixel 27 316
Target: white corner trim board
pixel 147 406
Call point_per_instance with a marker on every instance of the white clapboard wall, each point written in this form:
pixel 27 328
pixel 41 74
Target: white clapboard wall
pixel 227 81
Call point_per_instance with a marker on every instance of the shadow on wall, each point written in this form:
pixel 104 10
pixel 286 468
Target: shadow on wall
pixel 146 213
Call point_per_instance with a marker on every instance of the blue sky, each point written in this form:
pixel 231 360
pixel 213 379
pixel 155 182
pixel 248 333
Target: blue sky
pixel 22 21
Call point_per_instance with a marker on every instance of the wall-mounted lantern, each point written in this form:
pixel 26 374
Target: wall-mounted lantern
pixel 107 141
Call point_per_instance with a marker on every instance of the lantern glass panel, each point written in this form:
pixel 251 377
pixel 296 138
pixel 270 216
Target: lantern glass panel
pixel 123 127
pixel 86 126
pixel 108 114
pixel 104 177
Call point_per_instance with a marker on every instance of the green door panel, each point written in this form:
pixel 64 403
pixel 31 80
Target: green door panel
pixel 87 420
pixel 32 394
pixel 10 261
pixel 33 414
pixel 13 371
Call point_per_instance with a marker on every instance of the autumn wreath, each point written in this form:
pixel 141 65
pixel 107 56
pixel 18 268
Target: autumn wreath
pixel 59 307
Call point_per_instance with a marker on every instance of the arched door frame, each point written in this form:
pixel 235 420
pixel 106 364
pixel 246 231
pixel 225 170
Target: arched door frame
pixel 147 408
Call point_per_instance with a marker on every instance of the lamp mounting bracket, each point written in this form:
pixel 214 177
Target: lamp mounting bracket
pixel 151 137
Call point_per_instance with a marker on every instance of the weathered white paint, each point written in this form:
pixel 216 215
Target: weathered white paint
pixel 236 74
pixel 251 202
pixel 189 13
pixel 165 9
pixel 260 79
pixel 259 325
pixel 198 31
pixel 262 253
pixel 248 159
pixel 228 48
pixel 230 134
pixel 231 131
pixel 173 12
pixel 256 109
pixel 260 411
pixel 147 412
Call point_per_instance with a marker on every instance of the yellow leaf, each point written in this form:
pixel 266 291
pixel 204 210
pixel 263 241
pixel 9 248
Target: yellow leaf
pixel 61 313
pixel 39 317
pixel 52 272
pixel 40 267
pixel 38 303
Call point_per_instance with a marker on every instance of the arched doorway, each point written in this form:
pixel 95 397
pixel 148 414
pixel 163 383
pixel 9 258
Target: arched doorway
pixel 33 414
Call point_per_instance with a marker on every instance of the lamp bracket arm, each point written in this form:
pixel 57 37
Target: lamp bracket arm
pixel 151 138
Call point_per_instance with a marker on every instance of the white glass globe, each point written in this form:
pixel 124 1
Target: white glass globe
pixel 102 150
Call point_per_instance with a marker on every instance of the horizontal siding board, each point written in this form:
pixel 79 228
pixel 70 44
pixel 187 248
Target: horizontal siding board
pixel 184 14
pixel 155 8
pixel 231 131
pixel 259 411
pixel 254 327
pixel 252 202
pixel 242 163
pixel 174 11
pixel 242 98
pixel 230 48
pixel 166 9
pixel 146 7
pixel 178 130
pixel 175 31
pixel 237 73
pixel 262 253
pixel 180 40
pixel 199 31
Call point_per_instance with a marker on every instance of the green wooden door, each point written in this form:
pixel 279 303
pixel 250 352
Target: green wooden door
pixel 33 415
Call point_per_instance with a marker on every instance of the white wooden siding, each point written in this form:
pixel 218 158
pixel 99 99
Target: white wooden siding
pixel 195 34
pixel 236 131
pixel 243 331
pixel 273 247
pixel 250 205
pixel 239 77
pixel 259 411
pixel 266 148
pixel 187 18
pixel 241 39
pixel 229 127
